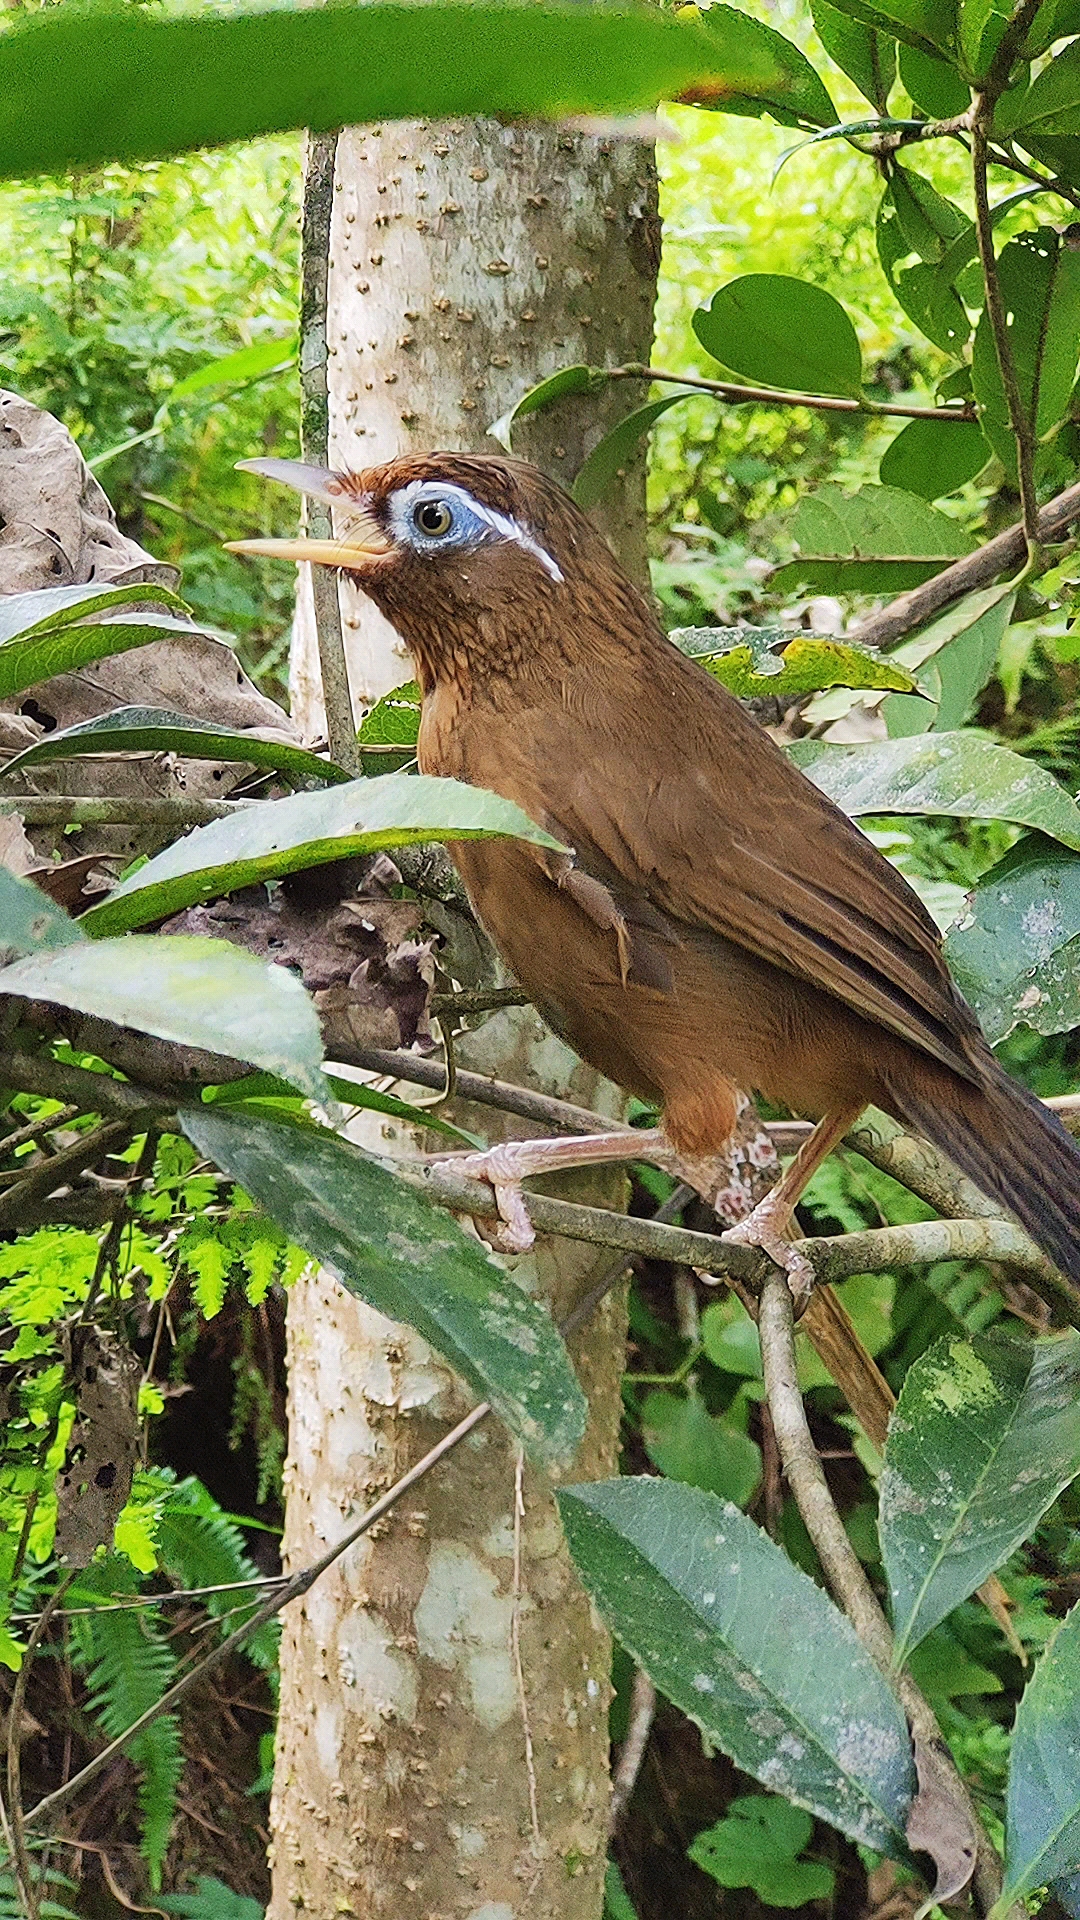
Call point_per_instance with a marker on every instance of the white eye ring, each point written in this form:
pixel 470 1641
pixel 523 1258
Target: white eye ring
pixel 433 518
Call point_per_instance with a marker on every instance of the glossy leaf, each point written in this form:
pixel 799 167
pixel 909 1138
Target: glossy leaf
pixel 42 634
pixel 597 472
pixel 786 86
pixel 577 379
pixel 985 1435
pixel 1015 953
pixel 957 774
pixel 306 830
pixel 933 459
pixel 933 85
pixel 782 332
pixel 1042 1828
pixel 694 1591
pixel 81 89
pixel 756 661
pixel 962 668
pixel 1052 102
pixel 29 921
pixel 235 369
pixel 157 730
pixel 1040 286
pixel 866 57
pixel 929 24
pixel 914 219
pixel 394 721
pixel 877 540
pixel 194 992
pixel 408 1260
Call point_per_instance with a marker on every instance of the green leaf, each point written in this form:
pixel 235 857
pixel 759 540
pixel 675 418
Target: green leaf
pixel 866 57
pixel 784 333
pixel 915 220
pixel 577 379
pixel 933 460
pixel 235 369
pixel 943 1669
pixel 877 540
pixel 1040 287
pixel 29 921
pixel 195 992
pixel 1055 20
pixel 41 634
pixel 394 721
pixel 785 85
pixel 597 472
pixel 1015 955
pixel 929 24
pixel 1052 102
pixel 985 1435
pixel 212 1900
pixel 963 667
pixel 350 1093
pixel 1042 1832
pixel 84 88
pixel 617 1902
pixel 29 615
pixel 306 830
pixel 157 730
pixel 757 1844
pixel 408 1260
pixel 934 85
pixel 747 661
pixel 685 1441
pixel 959 774
pixel 693 1590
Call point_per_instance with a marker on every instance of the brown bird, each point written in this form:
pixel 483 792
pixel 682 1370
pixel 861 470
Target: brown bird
pixel 719 924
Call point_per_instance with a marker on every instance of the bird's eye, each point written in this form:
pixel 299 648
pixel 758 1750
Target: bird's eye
pixel 433 518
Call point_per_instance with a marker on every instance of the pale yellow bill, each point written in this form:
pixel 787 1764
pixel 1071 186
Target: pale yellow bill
pixel 349 551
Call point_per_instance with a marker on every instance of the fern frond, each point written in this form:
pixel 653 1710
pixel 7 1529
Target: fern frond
pixel 202 1547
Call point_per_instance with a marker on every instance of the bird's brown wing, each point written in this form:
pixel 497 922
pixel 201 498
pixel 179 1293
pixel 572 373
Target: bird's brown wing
pixel 723 833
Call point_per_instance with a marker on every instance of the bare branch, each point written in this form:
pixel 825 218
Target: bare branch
pixel 778 397
pixel 88 810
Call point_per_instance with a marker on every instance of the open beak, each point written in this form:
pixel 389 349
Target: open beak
pixel 362 540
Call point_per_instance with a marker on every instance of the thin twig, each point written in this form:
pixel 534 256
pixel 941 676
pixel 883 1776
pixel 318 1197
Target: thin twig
pixel 20 1855
pixel 87 1092
pixel 560 1115
pixel 1021 415
pixel 518 1594
pixel 632 1752
pixel 34 1129
pixel 484 1000
pixel 779 397
pixel 88 810
pixel 61 1169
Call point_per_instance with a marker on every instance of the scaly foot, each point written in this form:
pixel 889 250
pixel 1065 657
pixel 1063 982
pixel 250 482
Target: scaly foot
pixel 506 1165
pixel 767 1228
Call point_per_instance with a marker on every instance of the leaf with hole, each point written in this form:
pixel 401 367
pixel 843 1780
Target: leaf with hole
pixel 1042 1820
pixel 785 85
pixel 753 662
pixel 914 219
pixel 877 540
pixel 958 774
pixel 1040 286
pixel 577 379
pixel 611 454
pixel 410 1261
pixel 157 730
pixel 866 57
pixel 985 1435
pixel 194 992
pixel 277 837
pixel 80 90
pixel 934 459
pixel 1015 953
pixel 29 921
pixel 694 1591
pixel 784 333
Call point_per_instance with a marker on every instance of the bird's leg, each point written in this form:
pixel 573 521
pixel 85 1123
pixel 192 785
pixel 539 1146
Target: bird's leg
pixel 506 1165
pixel 767 1227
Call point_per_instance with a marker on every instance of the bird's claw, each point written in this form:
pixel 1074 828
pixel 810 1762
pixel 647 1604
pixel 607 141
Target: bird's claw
pixel 501 1168
pixel 764 1228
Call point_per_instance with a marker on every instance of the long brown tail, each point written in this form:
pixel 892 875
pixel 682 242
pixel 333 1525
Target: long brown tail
pixel 1014 1149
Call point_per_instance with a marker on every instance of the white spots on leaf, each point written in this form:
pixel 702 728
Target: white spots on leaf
pixel 703 1683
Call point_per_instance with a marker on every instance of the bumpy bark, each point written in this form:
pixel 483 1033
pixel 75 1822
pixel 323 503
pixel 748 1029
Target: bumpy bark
pixel 467 261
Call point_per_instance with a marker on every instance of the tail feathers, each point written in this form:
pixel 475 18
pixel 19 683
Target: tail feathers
pixel 1015 1150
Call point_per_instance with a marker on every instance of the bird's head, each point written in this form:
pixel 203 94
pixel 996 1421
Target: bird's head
pixel 478 561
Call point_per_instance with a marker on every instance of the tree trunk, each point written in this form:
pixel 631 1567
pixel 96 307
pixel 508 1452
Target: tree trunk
pixel 442 1749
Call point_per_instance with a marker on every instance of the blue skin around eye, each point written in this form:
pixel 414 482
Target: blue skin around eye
pixel 468 529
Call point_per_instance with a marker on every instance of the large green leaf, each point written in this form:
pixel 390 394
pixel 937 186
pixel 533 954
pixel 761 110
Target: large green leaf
pixel 933 458
pixel 1042 1831
pixel 410 1261
pixel 78 89
pixel 576 379
pixel 28 615
pixel 157 730
pixel 746 1645
pixel 783 332
pixel 787 88
pixel 934 86
pixel 29 921
pixel 929 24
pixel 866 57
pixel 877 540
pixel 1040 287
pixel 1015 955
pixel 954 658
pixel 58 630
pixel 306 830
pixel 914 219
pixel 985 1435
pixel 1052 103
pixel 236 369
pixel 756 661
pixel 596 473
pixel 960 774
pixel 257 1087
pixel 691 1445
pixel 195 992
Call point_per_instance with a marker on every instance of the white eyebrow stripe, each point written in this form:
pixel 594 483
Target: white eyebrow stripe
pixel 513 530
pixel 503 524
